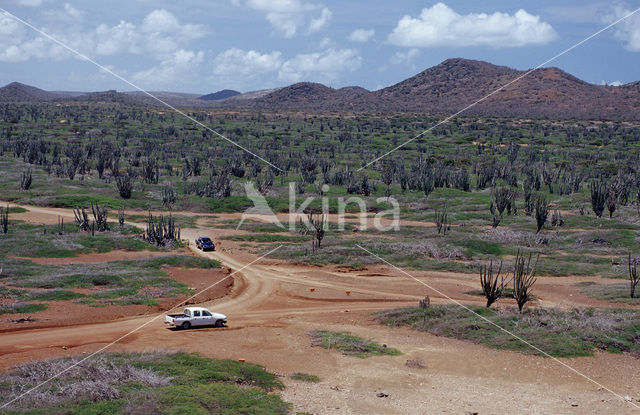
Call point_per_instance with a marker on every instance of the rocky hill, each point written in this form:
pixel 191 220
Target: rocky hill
pixel 456 83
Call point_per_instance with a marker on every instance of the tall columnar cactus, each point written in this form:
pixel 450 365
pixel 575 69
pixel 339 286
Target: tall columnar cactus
pixel 100 218
pixel 26 179
pixel 598 197
pixel 160 232
pixel 4 219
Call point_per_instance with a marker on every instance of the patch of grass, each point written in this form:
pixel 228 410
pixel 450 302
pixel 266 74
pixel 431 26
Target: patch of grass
pixel 618 293
pixel 45 241
pixel 350 345
pixel 184 261
pixel 17 308
pixel 476 246
pixel 304 377
pixel 258 237
pixel 116 282
pixel 17 209
pixel 559 333
pixel 112 202
pixel 186 369
pixel 53 295
pixel 163 383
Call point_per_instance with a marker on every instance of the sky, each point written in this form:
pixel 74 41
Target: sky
pixel 202 46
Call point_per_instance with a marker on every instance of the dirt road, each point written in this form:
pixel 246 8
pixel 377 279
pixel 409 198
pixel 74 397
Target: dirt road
pixel 272 308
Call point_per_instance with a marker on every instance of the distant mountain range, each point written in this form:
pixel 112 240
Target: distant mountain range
pixel 443 89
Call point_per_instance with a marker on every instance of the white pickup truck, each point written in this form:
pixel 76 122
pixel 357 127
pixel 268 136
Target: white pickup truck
pixel 195 316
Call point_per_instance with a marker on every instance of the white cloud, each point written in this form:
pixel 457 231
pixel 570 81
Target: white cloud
pixel 288 16
pixel 18 44
pixel 179 65
pixel 628 30
pixel 405 57
pixel 122 38
pixel 72 11
pixel 361 35
pixel 320 66
pixel 440 25
pixel 235 62
pixel 160 38
pixel 246 69
pixel 321 21
pixel 30 3
pixel 160 35
pixel 614 83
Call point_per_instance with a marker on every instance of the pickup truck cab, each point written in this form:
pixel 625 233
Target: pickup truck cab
pixel 195 316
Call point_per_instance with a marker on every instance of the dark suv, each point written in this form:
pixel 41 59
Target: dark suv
pixel 206 244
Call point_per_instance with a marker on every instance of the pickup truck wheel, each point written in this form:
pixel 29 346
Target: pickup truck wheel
pixel 186 325
pixel 218 323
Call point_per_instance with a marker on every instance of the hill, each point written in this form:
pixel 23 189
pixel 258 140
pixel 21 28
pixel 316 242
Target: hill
pixel 17 92
pixel 456 83
pixel 224 94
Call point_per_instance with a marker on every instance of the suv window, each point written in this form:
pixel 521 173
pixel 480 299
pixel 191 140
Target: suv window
pixel 196 313
pixel 206 314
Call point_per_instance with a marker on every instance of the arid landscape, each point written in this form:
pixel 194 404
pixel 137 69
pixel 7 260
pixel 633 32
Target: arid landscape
pixel 303 207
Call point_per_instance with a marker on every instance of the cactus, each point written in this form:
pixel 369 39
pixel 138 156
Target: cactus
pixel 26 179
pixel 4 219
pixel 523 279
pixel 598 197
pixel 121 217
pixel 492 284
pixel 60 225
pixel 441 221
pixel 542 212
pixel 100 218
pixel 82 219
pixel 161 232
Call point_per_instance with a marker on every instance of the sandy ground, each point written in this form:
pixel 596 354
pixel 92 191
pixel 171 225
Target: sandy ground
pixel 271 309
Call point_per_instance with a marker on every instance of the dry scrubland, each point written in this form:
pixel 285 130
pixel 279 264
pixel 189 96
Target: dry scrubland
pixel 473 192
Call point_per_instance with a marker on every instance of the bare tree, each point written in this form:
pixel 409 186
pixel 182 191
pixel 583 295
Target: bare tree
pixel 386 176
pixel 523 279
pixel 492 284
pixel 316 226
